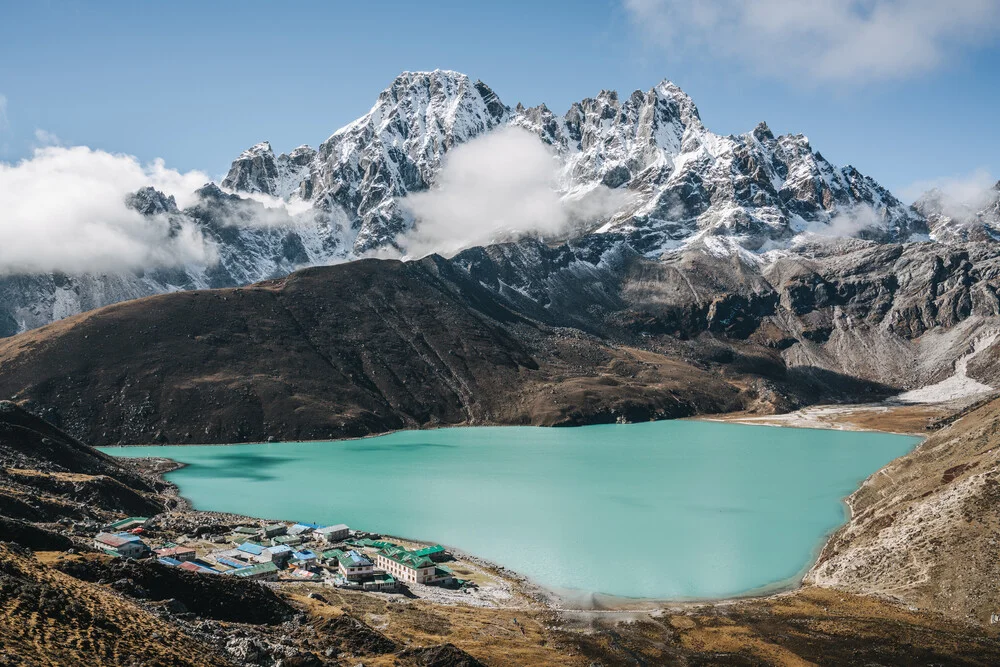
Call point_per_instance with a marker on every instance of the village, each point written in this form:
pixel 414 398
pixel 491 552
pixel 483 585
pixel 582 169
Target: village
pixel 290 552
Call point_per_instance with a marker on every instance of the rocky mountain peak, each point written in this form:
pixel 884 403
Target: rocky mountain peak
pixel 255 170
pixel 685 179
pixel 762 132
pixel 150 201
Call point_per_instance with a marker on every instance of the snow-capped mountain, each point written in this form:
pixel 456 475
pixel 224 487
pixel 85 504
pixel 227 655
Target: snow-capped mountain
pixel 253 243
pixel 686 181
pixel 955 221
pixel 276 213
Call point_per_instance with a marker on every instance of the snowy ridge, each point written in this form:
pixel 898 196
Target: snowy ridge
pixel 686 181
pixel 748 195
pixel 952 221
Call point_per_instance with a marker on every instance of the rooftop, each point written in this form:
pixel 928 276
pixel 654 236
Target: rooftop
pixel 173 551
pixel 427 551
pixel 251 548
pixel 407 558
pixel 353 559
pixel 117 539
pixel 260 568
pixel 128 521
pixel 333 529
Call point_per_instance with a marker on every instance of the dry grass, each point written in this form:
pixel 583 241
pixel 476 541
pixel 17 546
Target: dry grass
pixel 49 618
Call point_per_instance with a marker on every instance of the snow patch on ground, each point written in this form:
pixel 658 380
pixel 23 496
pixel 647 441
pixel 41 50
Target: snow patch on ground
pixel 959 385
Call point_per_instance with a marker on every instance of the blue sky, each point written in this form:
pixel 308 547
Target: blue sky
pixel 195 83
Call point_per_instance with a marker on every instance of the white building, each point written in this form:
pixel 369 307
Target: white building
pixel 333 533
pixel 406 566
pixel 121 544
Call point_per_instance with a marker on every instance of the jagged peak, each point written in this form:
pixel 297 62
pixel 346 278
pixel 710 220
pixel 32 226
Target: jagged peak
pixel 150 201
pixel 263 147
pixel 762 132
pixel 407 81
pixel 667 89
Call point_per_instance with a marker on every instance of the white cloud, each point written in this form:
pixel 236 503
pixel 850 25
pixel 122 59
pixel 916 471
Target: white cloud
pixel 957 196
pixel 46 138
pixel 499 186
pixel 847 41
pixel 64 209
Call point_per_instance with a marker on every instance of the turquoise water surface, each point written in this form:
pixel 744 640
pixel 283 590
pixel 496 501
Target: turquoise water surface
pixel 670 509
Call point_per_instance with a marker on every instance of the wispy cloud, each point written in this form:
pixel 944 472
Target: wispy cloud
pixel 64 209
pixel 46 138
pixel 499 186
pixel 844 41
pixel 956 196
pixel 3 113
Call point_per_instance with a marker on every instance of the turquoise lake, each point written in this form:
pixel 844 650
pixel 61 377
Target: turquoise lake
pixel 669 510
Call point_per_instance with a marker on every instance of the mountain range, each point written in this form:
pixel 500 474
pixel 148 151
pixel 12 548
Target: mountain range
pixel 683 186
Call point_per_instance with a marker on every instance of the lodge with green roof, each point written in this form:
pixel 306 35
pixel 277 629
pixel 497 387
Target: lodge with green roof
pixel 409 566
pixel 262 572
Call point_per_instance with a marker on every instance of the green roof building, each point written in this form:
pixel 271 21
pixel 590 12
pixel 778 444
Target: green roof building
pixel 261 572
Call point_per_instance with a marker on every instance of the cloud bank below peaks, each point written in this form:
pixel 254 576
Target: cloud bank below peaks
pixel 63 210
pixel 497 187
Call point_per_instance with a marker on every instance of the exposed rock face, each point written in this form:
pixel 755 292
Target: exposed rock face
pixel 257 170
pixel 955 221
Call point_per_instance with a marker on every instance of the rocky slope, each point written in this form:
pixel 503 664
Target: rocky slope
pixel 519 333
pixel 924 529
pixel 338 351
pixel 343 200
pixel 49 477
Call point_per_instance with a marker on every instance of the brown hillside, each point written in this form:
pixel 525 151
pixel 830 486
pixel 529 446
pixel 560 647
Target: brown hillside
pixel 331 352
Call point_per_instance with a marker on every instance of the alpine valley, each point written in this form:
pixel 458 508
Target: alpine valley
pixel 734 277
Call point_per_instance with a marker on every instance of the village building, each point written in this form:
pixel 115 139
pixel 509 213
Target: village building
pixel 337 533
pixel 198 568
pixel 258 572
pixel 302 574
pixel 123 545
pixel 231 562
pixel 304 558
pixel 177 552
pixel 406 566
pixel 279 554
pixel 274 530
pixel 436 553
pixel 172 562
pixel 251 548
pixel 380 581
pixel 368 542
pixel 302 528
pixel 126 524
pixel 353 565
pixel 241 533
pixel 290 540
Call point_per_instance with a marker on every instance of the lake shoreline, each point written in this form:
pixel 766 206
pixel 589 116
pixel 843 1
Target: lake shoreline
pixel 559 599
pixel 552 599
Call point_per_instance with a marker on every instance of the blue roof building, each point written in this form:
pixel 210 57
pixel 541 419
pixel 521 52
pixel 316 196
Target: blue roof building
pixel 251 548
